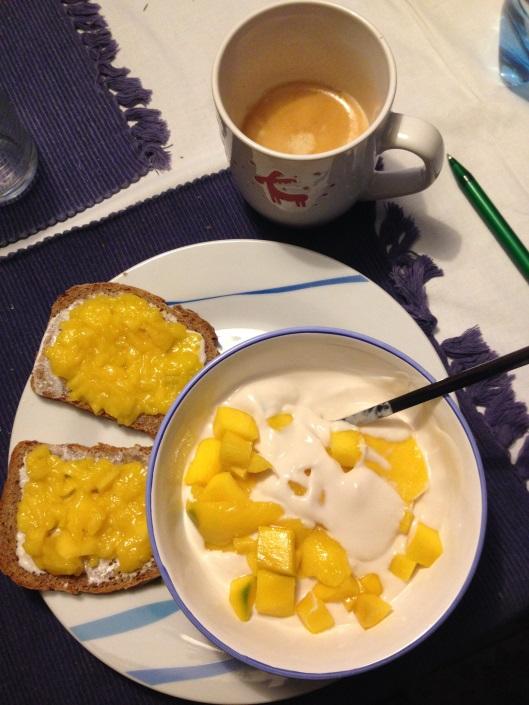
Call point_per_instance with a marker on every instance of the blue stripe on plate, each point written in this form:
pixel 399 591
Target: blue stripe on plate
pixel 124 621
pixel 350 279
pixel 155 676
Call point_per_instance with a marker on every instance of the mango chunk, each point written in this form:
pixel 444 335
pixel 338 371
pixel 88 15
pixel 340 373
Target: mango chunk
pixel 222 487
pixel 279 421
pixel 240 473
pixel 205 464
pixel 258 464
pixel 406 521
pixel 246 483
pixel 68 547
pixel 34 541
pixel 242 596
pixel 300 529
pixel 425 546
pixel 370 609
pixel 406 468
pixel 275 595
pixel 346 448
pixel 275 549
pixel 229 419
pixel 245 544
pixel 297 489
pixel 402 566
pixel 251 559
pixel 348 588
pixel 349 603
pixel 196 491
pixel 220 522
pixel 314 614
pixel 370 582
pixel 234 451
pixel 323 558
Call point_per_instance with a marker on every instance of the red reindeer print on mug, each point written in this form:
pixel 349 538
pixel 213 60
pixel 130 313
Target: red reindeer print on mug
pixel 276 195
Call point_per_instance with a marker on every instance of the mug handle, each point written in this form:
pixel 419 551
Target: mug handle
pixel 413 135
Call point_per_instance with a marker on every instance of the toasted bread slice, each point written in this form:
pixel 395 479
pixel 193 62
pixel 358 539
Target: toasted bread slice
pixel 46 384
pixel 9 544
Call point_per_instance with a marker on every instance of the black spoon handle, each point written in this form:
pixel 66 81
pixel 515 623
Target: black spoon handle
pixel 511 361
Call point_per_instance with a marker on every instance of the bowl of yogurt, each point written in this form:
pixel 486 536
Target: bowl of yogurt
pixel 295 542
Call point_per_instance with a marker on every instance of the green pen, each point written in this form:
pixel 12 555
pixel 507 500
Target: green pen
pixel 491 216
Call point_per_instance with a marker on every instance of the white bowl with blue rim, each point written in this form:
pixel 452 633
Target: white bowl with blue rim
pixel 269 643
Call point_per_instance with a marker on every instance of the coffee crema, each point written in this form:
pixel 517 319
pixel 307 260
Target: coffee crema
pixel 304 118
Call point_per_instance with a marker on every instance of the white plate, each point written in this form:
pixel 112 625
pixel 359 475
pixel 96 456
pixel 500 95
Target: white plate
pixel 243 287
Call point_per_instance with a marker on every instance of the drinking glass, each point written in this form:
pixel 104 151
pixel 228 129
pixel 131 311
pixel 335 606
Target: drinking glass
pixel 514 46
pixel 18 154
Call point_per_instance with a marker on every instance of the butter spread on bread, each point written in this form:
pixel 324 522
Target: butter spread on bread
pixel 72 518
pixel 120 352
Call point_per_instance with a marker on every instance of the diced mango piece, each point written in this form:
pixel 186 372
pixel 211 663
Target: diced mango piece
pixel 323 558
pixel 234 451
pixel 346 448
pixel 240 473
pixel 313 613
pixel 275 549
pixel 242 596
pixel 251 559
pixel 349 603
pixel 402 566
pixel 406 521
pixel 425 546
pixel 275 594
pixel 229 419
pixel 300 529
pixel 370 609
pixel 220 522
pixel 196 491
pixel 297 559
pixel 258 464
pixel 205 464
pixel 370 582
pixel 222 487
pixel 279 421
pixel 245 544
pixel 297 489
pixel 348 588
pixel 247 483
pixel 407 470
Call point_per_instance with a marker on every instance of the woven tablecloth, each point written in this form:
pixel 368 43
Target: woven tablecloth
pixel 93 133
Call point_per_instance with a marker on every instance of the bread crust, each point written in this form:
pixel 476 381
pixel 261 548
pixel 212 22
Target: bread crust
pixel 46 384
pixel 11 496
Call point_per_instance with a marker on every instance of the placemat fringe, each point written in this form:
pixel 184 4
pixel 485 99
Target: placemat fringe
pixel 505 416
pixel 409 271
pixel 494 400
pixel 522 463
pixel 147 126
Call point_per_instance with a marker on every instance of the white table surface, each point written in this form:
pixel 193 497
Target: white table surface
pixel 446 54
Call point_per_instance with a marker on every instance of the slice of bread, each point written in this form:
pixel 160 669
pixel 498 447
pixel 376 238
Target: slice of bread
pixel 10 545
pixel 46 384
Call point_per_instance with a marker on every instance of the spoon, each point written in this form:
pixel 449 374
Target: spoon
pixel 511 361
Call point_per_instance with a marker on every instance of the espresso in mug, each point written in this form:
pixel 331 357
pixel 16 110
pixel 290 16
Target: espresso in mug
pixel 304 118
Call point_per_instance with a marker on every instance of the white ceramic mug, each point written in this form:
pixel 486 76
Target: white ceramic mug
pixel 327 44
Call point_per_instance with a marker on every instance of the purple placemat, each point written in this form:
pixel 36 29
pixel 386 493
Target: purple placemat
pixel 39 662
pixel 87 116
